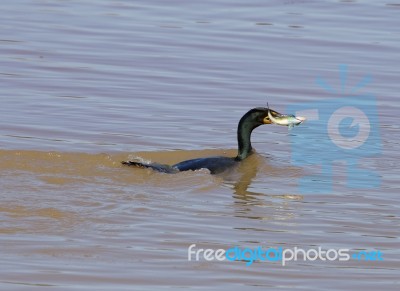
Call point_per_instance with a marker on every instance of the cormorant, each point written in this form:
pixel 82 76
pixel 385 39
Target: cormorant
pixel 251 120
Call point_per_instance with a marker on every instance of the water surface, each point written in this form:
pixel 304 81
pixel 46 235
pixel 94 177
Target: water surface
pixel 87 84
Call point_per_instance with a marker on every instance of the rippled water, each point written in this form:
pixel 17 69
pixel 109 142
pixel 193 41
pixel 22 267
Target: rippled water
pixel 87 84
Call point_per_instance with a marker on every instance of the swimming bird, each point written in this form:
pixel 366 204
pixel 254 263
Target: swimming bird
pixel 251 120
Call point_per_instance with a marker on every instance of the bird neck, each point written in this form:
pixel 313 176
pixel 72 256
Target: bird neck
pixel 244 131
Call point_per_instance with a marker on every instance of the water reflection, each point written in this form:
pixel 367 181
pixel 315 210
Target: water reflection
pixel 260 205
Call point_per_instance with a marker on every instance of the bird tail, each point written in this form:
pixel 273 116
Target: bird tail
pixel 154 166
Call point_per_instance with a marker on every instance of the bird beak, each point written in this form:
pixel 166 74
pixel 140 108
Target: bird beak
pixel 301 119
pixel 273 113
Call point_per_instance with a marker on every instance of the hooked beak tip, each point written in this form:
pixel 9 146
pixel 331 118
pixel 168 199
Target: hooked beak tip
pixel 301 118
